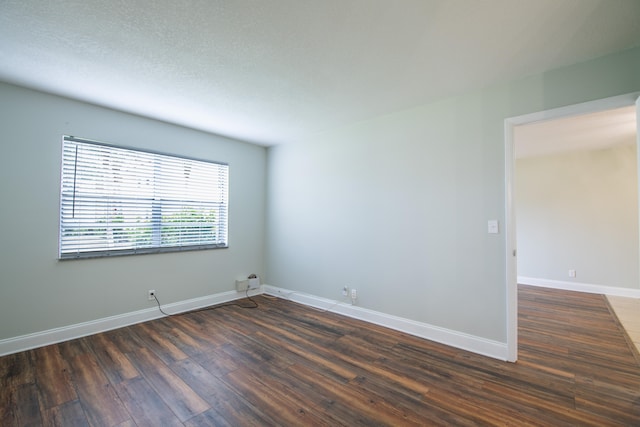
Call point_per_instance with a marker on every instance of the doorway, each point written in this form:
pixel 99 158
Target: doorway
pixel 510 213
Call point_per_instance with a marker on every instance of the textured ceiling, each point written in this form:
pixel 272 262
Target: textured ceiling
pixel 275 71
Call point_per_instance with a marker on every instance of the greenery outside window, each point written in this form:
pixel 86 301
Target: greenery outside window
pixel 120 201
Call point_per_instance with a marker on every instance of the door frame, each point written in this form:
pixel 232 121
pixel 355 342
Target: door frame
pixel 510 123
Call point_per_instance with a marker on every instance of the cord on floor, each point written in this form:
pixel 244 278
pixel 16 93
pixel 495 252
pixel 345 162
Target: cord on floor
pixel 215 307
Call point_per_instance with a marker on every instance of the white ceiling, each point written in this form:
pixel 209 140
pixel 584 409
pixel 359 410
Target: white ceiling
pixel 593 131
pixel 275 71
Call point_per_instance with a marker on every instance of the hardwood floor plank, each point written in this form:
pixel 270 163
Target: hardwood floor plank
pixel 69 350
pixel 113 361
pixel 198 331
pixel 145 405
pixel 249 351
pixel 304 326
pixel 209 418
pixel 293 312
pixel 217 362
pixel 607 398
pixel 413 409
pixel 69 414
pixel 24 407
pixel 99 401
pixel 277 406
pixel 124 340
pixel 150 334
pixel 297 347
pixel 183 341
pixel 187 343
pixel 615 416
pixel 225 402
pixel 478 413
pixel 54 382
pixel 538 410
pixel 209 326
pixel 17 369
pixel 365 409
pixel 6 405
pixel 288 383
pixel 390 375
pixel 178 396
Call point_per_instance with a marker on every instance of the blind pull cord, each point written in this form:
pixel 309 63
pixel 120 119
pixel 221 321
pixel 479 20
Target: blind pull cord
pixel 75 174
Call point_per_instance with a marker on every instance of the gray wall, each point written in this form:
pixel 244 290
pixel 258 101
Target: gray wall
pixel 38 292
pixel 579 211
pixel 397 206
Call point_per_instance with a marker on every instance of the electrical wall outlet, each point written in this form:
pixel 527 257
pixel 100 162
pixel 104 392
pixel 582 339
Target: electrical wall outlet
pixel 151 294
pixel 354 294
pixel 572 273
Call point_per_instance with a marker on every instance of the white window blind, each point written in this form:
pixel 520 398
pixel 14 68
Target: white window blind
pixel 117 201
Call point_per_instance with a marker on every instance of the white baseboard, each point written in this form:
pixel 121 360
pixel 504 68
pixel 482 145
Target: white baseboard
pixel 580 287
pixel 65 333
pixel 494 349
pixel 483 346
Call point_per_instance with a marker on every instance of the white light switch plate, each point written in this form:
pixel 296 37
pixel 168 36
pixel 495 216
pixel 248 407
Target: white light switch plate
pixel 492 226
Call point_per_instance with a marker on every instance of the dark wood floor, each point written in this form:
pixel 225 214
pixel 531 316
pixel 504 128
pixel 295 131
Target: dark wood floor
pixel 285 364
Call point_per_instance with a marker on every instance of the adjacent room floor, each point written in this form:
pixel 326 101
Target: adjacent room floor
pixel 628 312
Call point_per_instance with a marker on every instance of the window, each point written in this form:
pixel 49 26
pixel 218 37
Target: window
pixel 117 201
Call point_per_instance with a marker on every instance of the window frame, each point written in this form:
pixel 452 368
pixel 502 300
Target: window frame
pixel 156 221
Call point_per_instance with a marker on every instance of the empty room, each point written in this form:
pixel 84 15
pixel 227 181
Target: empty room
pixel 303 213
